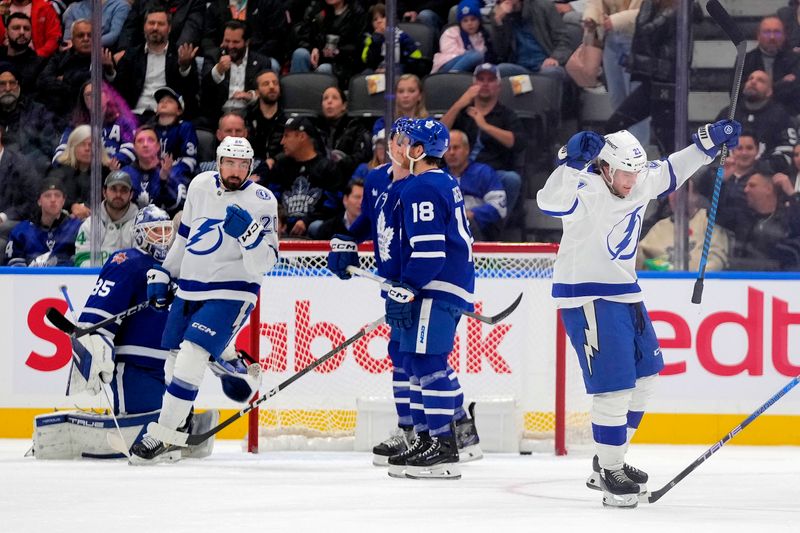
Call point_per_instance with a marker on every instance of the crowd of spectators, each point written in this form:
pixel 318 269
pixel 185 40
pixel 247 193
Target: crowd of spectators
pixel 181 73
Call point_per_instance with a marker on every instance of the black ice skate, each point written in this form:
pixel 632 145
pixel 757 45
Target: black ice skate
pixel 152 451
pixel 439 461
pixel 469 448
pixel 397 443
pixel 397 463
pixel 633 473
pixel 618 489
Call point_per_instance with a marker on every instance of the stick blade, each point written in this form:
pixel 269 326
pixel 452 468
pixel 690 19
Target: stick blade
pixel 118 444
pixel 724 20
pixel 59 320
pixel 510 309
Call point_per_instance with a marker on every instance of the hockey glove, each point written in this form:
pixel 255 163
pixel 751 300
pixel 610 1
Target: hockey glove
pixel 399 311
pixel 158 279
pixel 240 225
pixel 581 149
pixel 93 358
pixel 710 137
pixel 344 253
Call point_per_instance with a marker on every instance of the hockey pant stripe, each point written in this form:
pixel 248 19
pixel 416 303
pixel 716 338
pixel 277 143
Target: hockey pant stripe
pixel 418 418
pixel 119 401
pixel 434 378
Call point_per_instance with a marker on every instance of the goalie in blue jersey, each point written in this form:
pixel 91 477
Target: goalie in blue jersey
pixel 600 191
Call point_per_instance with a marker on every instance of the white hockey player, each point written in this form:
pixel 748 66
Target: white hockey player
pixel 600 190
pixel 227 241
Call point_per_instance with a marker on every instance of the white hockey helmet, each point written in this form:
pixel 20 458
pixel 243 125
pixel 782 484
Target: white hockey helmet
pixel 235 147
pixel 623 151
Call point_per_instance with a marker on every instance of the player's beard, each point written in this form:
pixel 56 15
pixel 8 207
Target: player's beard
pixel 19 44
pixel 233 185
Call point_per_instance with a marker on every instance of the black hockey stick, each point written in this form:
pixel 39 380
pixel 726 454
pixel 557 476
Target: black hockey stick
pixel 170 436
pixel 61 322
pixel 724 20
pixel 360 272
pixel 652 497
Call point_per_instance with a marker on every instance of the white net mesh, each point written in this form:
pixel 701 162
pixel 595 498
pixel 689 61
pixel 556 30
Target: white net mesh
pixel 306 311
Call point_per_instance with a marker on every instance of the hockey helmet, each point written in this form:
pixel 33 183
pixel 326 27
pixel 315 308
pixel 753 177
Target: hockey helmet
pixel 152 231
pixel 431 134
pixel 237 148
pixel 623 151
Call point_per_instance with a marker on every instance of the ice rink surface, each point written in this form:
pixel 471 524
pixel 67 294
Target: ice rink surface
pixel 737 489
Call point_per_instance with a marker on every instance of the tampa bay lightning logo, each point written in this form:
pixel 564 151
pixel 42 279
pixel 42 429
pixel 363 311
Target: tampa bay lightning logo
pixel 206 238
pixel 263 194
pixel 623 238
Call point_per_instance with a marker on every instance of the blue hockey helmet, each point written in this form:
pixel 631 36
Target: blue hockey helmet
pixel 431 134
pixel 399 125
pixel 152 231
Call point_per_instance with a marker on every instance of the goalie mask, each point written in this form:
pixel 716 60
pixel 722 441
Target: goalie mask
pixel 152 232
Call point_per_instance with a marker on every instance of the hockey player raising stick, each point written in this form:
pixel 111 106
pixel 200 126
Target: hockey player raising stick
pixel 226 242
pixel 600 190
pixel 380 214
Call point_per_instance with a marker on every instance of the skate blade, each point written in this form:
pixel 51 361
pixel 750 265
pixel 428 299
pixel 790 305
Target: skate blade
pixel 397 471
pixel 470 453
pixel 172 456
pixel 117 444
pixel 443 471
pixel 380 460
pixel 620 501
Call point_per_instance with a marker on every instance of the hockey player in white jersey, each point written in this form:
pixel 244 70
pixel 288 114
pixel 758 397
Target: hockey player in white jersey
pixel 600 190
pixel 227 241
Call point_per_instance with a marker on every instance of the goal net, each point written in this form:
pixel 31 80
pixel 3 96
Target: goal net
pixel 522 364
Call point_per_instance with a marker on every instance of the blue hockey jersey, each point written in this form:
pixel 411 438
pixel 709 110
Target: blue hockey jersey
pixel 148 188
pixel 180 141
pixel 375 183
pixel 122 283
pixel 32 244
pixel 117 140
pixel 436 244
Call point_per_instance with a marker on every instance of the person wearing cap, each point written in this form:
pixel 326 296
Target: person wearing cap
pixel 47 238
pixel 305 182
pixel 29 126
pixel 117 215
pixel 19 53
pixel 531 37
pixel 495 132
pixel 466 45
pixel 143 69
pixel 178 137
pixel 153 177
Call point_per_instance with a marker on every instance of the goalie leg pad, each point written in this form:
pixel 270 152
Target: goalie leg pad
pixel 201 422
pixel 77 434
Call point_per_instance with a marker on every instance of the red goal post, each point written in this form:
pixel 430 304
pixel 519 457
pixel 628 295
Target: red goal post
pixel 523 362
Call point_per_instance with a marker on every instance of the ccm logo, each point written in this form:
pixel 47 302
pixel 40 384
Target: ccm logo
pixel 203 328
pixel 344 247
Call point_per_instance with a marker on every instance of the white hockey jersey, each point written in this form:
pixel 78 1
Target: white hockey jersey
pixel 597 255
pixel 207 262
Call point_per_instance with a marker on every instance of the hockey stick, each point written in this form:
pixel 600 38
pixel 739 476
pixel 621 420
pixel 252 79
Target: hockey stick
pixel 115 440
pixel 724 20
pixel 652 497
pixel 360 272
pixel 62 323
pixel 178 438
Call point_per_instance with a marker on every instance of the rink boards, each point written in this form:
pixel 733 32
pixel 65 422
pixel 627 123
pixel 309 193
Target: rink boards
pixel 724 357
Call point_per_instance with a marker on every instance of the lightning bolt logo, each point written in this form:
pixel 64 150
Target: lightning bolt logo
pixel 622 240
pixel 592 345
pixel 209 227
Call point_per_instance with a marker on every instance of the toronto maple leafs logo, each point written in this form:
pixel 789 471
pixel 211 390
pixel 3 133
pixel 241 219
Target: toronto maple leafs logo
pixel 385 236
pixel 301 198
pixel 623 238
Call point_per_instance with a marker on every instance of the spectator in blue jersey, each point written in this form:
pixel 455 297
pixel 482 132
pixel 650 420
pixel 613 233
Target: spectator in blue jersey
pixel 178 137
pixel 484 196
pixel 152 176
pixel 74 170
pixel 353 195
pixel 373 55
pixel 119 124
pixel 379 156
pixel 114 14
pixel 47 238
pixel 346 140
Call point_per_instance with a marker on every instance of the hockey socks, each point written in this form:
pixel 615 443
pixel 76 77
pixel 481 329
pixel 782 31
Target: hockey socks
pixel 438 392
pixel 400 386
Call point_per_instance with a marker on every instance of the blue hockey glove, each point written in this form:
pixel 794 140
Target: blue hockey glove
pixel 581 149
pixel 344 253
pixel 710 137
pixel 158 280
pixel 398 305
pixel 240 225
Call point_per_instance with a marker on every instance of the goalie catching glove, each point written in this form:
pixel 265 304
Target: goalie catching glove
pixel 710 137
pixel 92 364
pixel 344 253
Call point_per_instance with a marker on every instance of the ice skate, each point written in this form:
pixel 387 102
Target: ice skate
pixel 200 423
pixel 469 448
pixel 151 451
pixel 439 461
pixel 634 474
pixel 397 463
pixel 399 441
pixel 618 489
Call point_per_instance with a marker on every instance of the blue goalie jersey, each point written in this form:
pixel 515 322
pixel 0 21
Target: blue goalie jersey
pixel 436 244
pixel 122 283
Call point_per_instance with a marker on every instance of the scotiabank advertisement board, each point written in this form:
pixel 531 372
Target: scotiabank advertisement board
pixel 725 356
